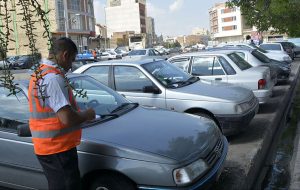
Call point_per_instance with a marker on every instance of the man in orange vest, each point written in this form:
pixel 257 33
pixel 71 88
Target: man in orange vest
pixel 54 121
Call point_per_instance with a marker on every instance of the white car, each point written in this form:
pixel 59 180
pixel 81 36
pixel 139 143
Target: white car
pixel 227 66
pixel 279 56
pixel 107 56
pixel 157 83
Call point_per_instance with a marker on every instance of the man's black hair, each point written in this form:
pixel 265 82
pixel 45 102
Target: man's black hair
pixel 248 37
pixel 63 44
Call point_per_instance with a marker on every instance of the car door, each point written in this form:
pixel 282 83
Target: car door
pixel 18 163
pixel 131 82
pixel 208 67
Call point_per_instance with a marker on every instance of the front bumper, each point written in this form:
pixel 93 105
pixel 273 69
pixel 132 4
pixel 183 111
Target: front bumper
pixel 233 124
pixel 206 181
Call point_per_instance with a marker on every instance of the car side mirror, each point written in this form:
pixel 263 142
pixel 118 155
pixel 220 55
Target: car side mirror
pixel 151 89
pixel 23 130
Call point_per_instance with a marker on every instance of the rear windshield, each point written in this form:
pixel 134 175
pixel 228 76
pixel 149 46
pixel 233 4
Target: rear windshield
pixel 240 62
pixel 258 48
pixel 271 46
pixel 137 52
pixel 261 57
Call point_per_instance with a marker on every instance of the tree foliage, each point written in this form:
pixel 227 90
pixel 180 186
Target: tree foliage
pixel 281 15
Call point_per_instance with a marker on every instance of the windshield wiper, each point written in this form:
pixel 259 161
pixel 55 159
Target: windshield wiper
pixel 109 115
pixel 122 106
pixel 181 83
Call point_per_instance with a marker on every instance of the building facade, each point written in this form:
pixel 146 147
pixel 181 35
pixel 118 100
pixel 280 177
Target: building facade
pixel 150 31
pixel 228 25
pixel 75 15
pixel 125 16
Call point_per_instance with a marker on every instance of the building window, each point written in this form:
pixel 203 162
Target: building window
pixel 91 24
pixel 74 5
pixel 61 16
pixel 228 28
pixel 75 22
pixel 229 19
pixel 228 10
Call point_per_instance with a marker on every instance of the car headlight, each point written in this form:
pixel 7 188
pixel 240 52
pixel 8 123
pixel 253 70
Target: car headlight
pixel 187 174
pixel 287 58
pixel 241 108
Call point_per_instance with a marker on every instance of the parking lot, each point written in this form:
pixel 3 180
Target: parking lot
pixel 248 150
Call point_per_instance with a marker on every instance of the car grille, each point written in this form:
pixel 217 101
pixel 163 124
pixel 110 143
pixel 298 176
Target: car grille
pixel 252 102
pixel 215 154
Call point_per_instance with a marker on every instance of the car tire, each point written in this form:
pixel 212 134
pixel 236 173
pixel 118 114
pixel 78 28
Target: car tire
pixel 111 182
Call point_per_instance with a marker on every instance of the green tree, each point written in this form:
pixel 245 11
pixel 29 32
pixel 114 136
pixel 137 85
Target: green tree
pixel 282 15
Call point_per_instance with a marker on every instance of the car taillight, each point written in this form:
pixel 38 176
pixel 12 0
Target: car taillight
pixel 262 83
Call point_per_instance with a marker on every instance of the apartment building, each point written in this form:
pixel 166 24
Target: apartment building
pixel 226 23
pixel 126 16
pixel 72 18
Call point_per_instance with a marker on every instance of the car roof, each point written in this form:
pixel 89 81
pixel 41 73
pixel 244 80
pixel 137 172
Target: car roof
pixel 217 52
pixel 128 61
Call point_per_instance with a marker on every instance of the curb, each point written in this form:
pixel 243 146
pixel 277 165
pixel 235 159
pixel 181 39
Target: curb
pixel 295 163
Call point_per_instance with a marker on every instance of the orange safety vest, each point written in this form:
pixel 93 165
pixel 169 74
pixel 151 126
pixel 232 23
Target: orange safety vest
pixel 49 135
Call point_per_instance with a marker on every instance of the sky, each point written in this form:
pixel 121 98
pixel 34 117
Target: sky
pixel 171 17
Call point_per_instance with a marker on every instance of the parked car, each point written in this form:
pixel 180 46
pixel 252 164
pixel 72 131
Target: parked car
pixel 256 58
pixel 296 42
pixel 145 54
pixel 79 62
pixel 278 47
pixel 279 56
pixel 158 83
pixel 280 71
pixel 10 61
pixel 128 147
pixel 227 66
pixel 121 52
pixel 25 62
pixel 85 55
pixel 103 56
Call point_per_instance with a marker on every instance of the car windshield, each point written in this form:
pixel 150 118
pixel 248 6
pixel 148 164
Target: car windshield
pixel 239 61
pixel 168 74
pixel 296 41
pixel 260 56
pixel 271 46
pixel 102 99
pixel 258 48
pixel 137 52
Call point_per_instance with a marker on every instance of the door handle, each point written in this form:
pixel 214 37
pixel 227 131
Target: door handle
pixel 218 78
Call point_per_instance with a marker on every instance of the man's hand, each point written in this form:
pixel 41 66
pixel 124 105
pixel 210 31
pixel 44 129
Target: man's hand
pixel 90 114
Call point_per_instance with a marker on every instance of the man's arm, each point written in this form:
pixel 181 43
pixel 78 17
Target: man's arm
pixel 69 117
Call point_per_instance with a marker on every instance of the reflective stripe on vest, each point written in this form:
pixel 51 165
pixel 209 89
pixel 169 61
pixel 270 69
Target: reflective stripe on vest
pixel 53 133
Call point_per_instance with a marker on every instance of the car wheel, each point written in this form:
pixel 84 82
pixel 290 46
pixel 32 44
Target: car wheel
pixel 111 182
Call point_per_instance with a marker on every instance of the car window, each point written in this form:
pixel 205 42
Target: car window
pixel 99 72
pixel 260 56
pixel 14 110
pixel 243 55
pixel 77 64
pixel 165 73
pixel 182 63
pixel 102 99
pixel 151 53
pixel 206 66
pixel 270 46
pixel 226 66
pixel 130 79
pixel 137 52
pixel 156 53
pixel 240 62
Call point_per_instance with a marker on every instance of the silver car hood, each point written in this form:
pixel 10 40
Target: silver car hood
pixel 153 135
pixel 210 90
